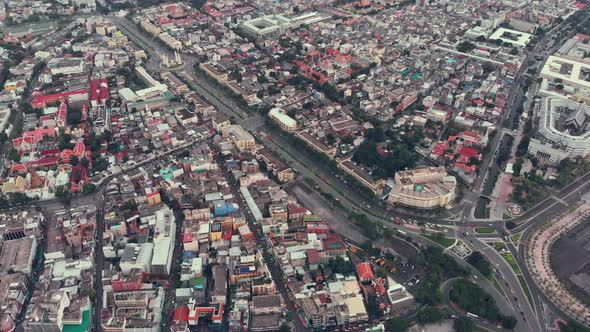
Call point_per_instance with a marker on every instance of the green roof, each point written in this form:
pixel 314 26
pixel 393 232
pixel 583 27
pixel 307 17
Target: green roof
pixel 168 95
pixel 199 282
pixel 311 218
pixel 79 327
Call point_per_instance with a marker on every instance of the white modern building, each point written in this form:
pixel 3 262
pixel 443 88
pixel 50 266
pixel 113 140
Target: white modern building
pixel 275 24
pixel 512 37
pixel 136 256
pixel 564 131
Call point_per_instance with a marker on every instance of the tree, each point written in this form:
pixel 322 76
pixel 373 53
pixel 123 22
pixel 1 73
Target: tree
pixel 463 324
pixel 16 199
pixel 397 324
pixel 14 155
pixel 74 117
pixel 65 142
pixel 331 138
pixel 375 134
pixel 465 47
pixel 469 296
pixel 63 195
pixel 339 265
pixel 480 263
pixel 373 309
pixel 572 326
pixel 284 327
pixel 84 162
pixel 429 315
pixel 74 160
pixel 509 322
pixel 88 188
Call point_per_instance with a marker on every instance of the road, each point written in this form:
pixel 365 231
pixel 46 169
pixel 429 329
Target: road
pixel 510 284
pixel 500 301
pixel 98 265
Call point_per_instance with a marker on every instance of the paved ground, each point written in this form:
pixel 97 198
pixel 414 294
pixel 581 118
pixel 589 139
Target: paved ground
pixel 572 252
pixel 444 326
pixel 538 261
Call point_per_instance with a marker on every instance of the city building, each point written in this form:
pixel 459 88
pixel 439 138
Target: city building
pixel 424 188
pixel 242 139
pixel 284 121
pixel 563 131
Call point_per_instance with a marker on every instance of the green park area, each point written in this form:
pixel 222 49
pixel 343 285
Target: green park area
pixel 485 230
pixel 440 238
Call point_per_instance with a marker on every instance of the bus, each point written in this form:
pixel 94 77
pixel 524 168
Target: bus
pixel 472 315
pixel 402 232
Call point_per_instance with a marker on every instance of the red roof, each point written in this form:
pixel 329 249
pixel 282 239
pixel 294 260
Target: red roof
pixel 471 168
pixel 104 89
pixel 19 141
pixel 364 271
pixel 48 161
pixel 19 167
pixel 313 257
pixel 94 90
pixel 181 313
pixel 187 237
pixel 467 152
pixel 42 100
pixel 439 148
pixel 469 135
pixel 296 209
pixel 49 152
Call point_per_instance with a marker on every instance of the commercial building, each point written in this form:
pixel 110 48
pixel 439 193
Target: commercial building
pixel 563 132
pixel 219 294
pixel 284 121
pixel 13 292
pixel 242 139
pixel 512 37
pixel 47 313
pixel 271 25
pixel 136 256
pixel 66 66
pixel 215 70
pixel 423 188
pixel 571 72
pixel 399 297
pixel 146 77
pixel 266 25
pixel 18 255
pixel 172 42
pixel 361 176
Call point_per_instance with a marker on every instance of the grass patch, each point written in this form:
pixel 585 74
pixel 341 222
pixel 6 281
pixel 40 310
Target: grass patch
pixel 515 238
pixel 496 284
pixel 440 239
pixel 485 230
pixel 525 287
pixel 512 262
pixel 499 246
